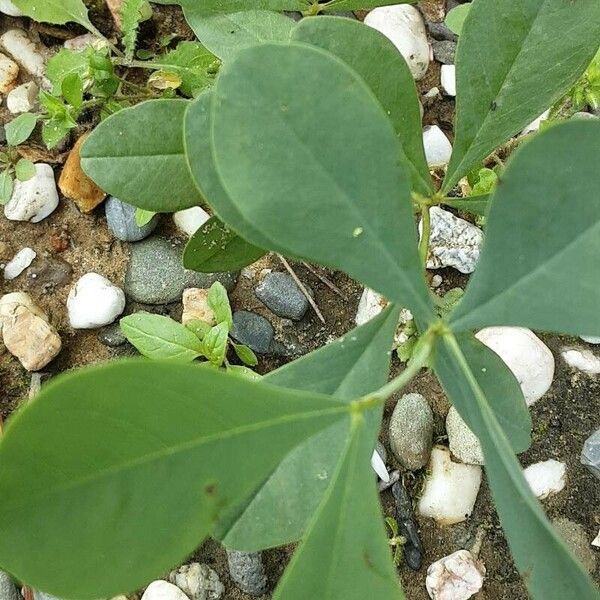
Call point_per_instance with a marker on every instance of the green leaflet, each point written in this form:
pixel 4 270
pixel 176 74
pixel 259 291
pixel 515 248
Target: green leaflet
pixel 356 364
pixel 456 16
pixel 543 239
pixel 192 62
pixel 137 451
pixel 345 553
pixel 131 16
pixel 197 125
pixel 216 248
pixel 514 60
pixel 281 166
pixel 137 155
pixel 225 34
pixel 58 12
pixel 476 205
pixel 161 337
pixel 384 70
pixel 549 570
pixel 218 301
pixel 20 128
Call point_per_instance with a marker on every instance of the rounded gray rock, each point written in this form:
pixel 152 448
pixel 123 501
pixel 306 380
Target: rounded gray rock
pixel 411 431
pixel 8 590
pixel 280 294
pixel 120 218
pixel 444 51
pixel 247 571
pixel 112 336
pixel 252 330
pixel 155 273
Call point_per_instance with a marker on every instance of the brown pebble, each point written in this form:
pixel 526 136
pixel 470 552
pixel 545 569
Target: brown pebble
pixel 76 185
pixel 59 242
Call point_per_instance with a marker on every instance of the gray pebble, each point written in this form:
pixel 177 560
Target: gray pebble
pixel 279 293
pixel 407 526
pixel 8 590
pixel 444 51
pixel 590 456
pixel 581 116
pixel 411 431
pixel 439 31
pixel 155 273
pixel 247 571
pixel 120 218
pixel 49 273
pixel 112 336
pixel 253 330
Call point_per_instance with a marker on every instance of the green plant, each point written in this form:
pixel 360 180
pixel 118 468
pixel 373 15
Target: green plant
pixel 310 147
pixel 163 338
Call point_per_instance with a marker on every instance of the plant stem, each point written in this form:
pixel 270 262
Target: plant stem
pixel 418 361
pixel 425 234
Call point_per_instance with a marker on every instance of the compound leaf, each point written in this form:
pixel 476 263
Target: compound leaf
pixel 160 337
pixel 344 553
pixel 137 155
pixel 137 451
pixel 58 12
pixel 549 570
pixel 385 71
pixel 303 182
pixel 543 239
pixel 514 60
pixel 353 365
pixel 216 248
pixel 225 34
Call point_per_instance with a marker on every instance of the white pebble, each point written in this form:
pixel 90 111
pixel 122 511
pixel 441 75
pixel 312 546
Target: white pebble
pixel 190 219
pixel 546 478
pixel 163 590
pixel 403 25
pixel 590 339
pixel 596 541
pixel 33 200
pixel 199 582
pixel 24 51
pixel 436 281
pixel 584 360
pixel 22 259
pixel 450 488
pixel 379 467
pixel 526 356
pixel 8 8
pixel 463 443
pixel 449 79
pixel 94 301
pixel 438 148
pixel 370 305
pixel 453 242
pixel 81 42
pixel 9 71
pixel 23 98
pixel 536 123
pixel 455 577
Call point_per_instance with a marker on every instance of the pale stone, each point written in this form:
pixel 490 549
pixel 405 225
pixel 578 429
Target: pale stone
pixel 23 98
pixel 24 51
pixel 546 478
pixel 190 219
pixel 9 71
pixel 455 577
pixel 196 308
pixel 403 25
pixel 81 42
pixel 33 200
pixel 370 305
pixel 379 466
pixel 591 339
pixel 463 443
pixel 583 360
pixel 438 148
pixel 448 75
pixel 198 581
pixel 536 123
pixel 596 541
pixel 526 356
pixel 26 332
pixel 8 8
pixel 163 590
pixel 94 301
pixel 453 242
pixel 450 488
pixel 22 259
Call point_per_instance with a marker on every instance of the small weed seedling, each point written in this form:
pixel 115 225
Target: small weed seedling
pixel 309 144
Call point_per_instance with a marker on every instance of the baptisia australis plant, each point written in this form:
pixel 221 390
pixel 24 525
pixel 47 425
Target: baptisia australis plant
pixel 309 144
